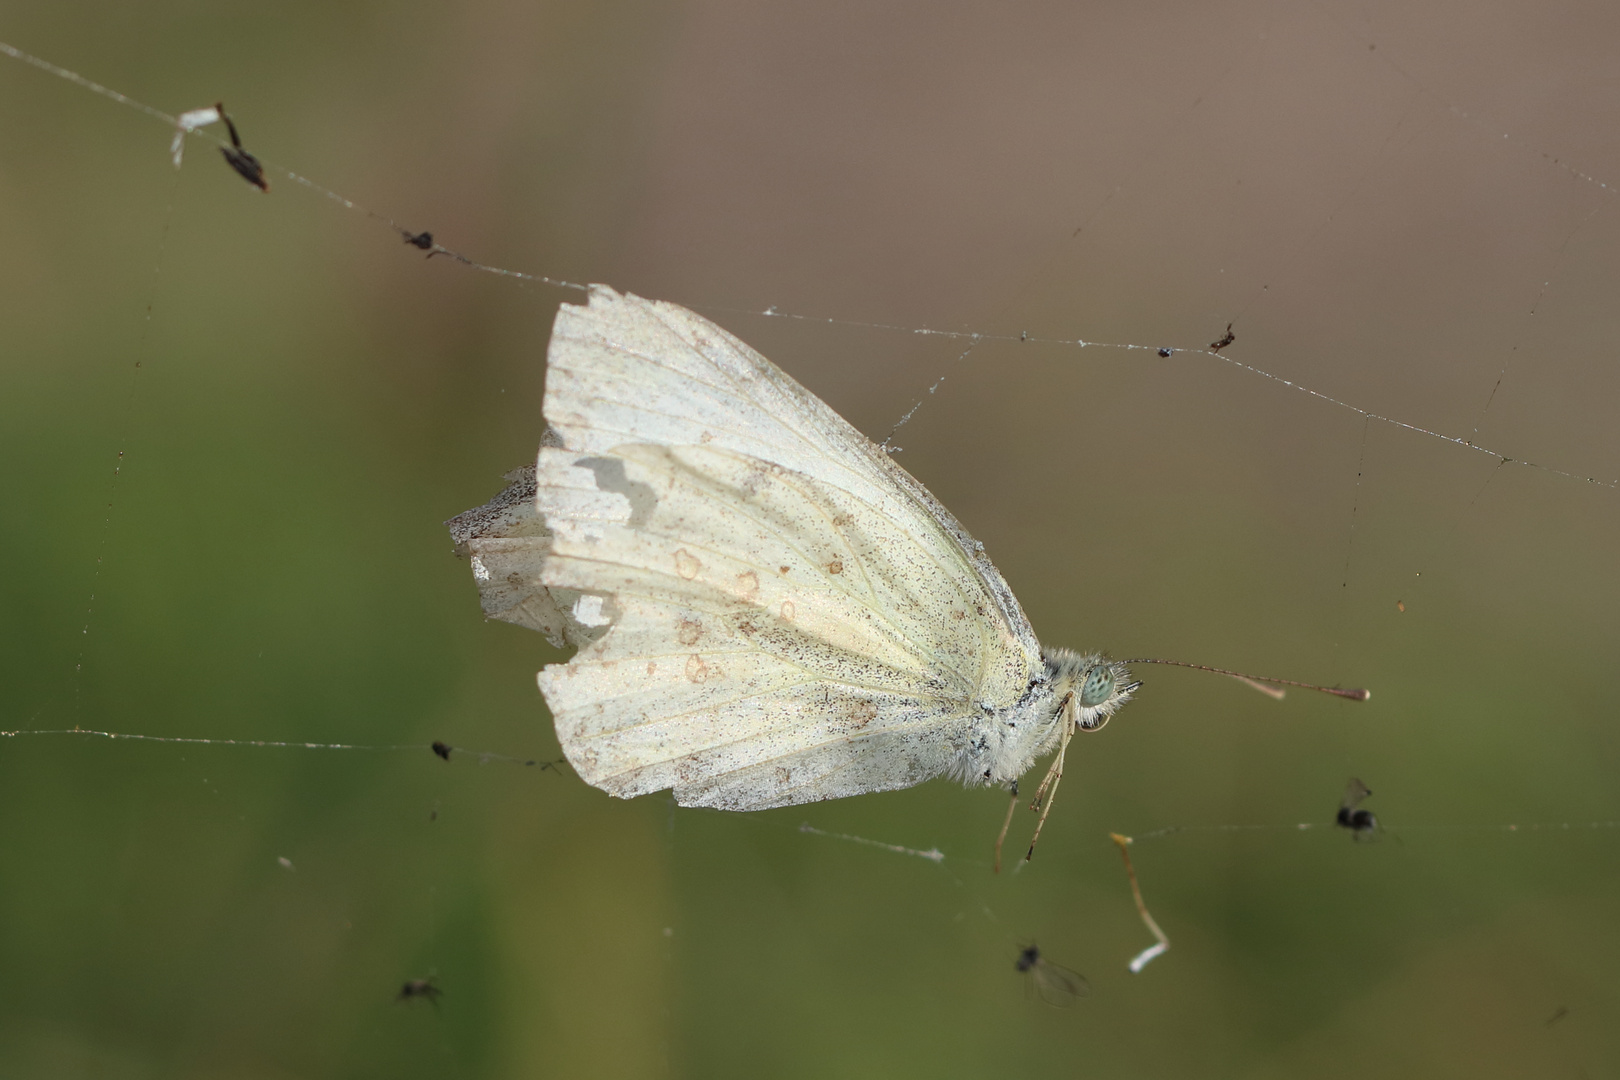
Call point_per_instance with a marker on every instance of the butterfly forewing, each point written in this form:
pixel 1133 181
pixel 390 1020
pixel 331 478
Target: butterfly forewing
pixel 628 370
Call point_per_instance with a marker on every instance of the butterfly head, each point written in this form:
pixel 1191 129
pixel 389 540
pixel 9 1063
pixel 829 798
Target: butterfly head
pixel 1100 686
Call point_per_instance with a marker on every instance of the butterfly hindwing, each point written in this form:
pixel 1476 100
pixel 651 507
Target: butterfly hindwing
pixel 749 629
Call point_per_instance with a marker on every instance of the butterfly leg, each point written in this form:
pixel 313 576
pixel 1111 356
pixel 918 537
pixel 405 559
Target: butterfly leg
pixel 1001 837
pixel 1066 718
pixel 1047 792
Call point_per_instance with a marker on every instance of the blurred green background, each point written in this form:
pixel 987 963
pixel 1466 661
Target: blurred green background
pixel 1409 207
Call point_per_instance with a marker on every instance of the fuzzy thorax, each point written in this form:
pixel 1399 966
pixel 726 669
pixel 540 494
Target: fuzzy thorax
pixel 1083 688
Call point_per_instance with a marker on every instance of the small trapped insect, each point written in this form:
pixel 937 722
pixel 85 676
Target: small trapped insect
pixel 246 165
pixel 1166 353
pixel 442 749
pixel 1056 984
pixel 1361 823
pixel 1226 339
pixel 420 988
pixel 423 240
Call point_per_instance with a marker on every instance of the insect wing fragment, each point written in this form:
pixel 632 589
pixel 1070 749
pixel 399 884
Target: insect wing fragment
pixel 1354 792
pixel 1056 984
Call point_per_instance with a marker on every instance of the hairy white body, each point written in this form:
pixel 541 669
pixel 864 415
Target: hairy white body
pixel 768 610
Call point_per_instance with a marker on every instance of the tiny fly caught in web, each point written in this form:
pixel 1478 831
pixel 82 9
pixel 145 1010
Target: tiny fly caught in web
pixel 246 165
pixel 426 989
pixel 1361 822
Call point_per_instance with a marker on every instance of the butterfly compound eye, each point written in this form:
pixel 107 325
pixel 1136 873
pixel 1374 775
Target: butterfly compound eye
pixel 1097 687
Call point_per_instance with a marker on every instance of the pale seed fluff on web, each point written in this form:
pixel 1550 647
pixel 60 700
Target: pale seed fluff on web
pixel 767 610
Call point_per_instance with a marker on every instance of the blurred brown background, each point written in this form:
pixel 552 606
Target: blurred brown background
pixel 1410 208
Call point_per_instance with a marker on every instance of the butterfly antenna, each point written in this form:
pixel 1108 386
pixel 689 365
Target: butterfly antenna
pixel 1266 685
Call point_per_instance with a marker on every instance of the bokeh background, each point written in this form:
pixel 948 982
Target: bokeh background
pixel 1408 207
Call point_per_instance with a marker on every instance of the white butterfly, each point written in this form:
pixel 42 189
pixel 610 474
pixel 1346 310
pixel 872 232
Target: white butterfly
pixel 768 610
